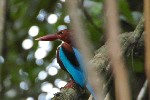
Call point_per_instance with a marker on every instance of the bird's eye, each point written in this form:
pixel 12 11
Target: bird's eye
pixel 61 32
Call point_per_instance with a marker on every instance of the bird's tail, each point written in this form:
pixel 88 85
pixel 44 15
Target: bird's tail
pixel 89 87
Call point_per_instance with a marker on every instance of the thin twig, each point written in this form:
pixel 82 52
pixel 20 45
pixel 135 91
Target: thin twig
pixel 147 39
pixel 84 46
pixel 114 51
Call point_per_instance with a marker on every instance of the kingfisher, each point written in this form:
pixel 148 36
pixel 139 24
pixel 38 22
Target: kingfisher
pixel 69 57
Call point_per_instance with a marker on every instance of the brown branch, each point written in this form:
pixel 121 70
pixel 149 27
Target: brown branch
pixel 147 40
pixel 75 92
pixel 84 45
pixel 122 91
pixel 100 60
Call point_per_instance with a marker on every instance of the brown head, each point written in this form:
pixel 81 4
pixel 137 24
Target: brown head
pixel 63 35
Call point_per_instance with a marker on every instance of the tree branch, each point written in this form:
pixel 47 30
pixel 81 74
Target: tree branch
pixel 75 92
pixel 100 60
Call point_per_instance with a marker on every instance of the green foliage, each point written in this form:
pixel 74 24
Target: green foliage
pixel 126 12
pixel 21 65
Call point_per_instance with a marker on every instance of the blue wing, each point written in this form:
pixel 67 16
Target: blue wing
pixel 88 86
pixel 77 72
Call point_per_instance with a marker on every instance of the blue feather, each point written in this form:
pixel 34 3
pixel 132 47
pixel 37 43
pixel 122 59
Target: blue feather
pixel 77 72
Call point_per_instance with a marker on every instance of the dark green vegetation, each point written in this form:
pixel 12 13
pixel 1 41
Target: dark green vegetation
pixel 20 70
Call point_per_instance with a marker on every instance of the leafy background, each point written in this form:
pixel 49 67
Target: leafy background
pixel 29 68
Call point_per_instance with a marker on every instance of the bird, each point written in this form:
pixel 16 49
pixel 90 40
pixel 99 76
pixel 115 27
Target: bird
pixel 69 57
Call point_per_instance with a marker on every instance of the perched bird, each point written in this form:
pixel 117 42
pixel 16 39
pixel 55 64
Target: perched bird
pixel 69 58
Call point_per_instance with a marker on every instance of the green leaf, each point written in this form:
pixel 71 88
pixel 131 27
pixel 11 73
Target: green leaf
pixel 125 10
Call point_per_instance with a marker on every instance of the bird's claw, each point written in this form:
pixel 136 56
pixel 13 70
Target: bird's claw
pixel 70 84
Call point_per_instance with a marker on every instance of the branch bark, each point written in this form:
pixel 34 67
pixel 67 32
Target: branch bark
pixel 100 60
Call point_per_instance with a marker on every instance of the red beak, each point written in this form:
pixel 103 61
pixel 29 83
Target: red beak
pixel 51 37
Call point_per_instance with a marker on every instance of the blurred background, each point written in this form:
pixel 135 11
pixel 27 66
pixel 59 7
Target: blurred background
pixel 29 70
